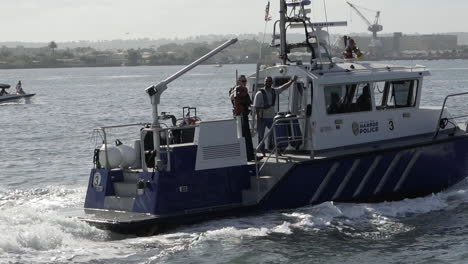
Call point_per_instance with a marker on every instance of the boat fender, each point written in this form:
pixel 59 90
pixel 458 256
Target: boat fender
pixel 112 155
pixel 128 155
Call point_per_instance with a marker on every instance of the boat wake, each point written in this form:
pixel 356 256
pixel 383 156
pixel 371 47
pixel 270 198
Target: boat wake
pixel 35 230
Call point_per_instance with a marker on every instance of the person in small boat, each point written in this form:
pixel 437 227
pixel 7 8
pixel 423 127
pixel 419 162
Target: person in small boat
pixel 364 102
pixel 241 103
pixel 264 105
pixel 3 92
pixel 19 88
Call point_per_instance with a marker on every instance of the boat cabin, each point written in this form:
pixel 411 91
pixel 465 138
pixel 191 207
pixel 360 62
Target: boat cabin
pixel 354 103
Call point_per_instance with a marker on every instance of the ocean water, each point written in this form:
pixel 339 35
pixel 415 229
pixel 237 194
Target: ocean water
pixel 46 148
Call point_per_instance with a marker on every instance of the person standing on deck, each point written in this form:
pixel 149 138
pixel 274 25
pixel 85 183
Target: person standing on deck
pixel 19 88
pixel 241 101
pixel 264 105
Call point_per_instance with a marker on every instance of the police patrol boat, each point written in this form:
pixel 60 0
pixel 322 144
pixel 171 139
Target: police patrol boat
pixel 352 132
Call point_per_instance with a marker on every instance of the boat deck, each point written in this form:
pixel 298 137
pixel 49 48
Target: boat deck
pixel 111 216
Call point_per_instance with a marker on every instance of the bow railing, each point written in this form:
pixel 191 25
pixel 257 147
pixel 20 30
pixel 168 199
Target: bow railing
pixel 443 122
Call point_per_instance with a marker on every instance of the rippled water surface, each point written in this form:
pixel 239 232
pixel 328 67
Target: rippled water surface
pixel 46 152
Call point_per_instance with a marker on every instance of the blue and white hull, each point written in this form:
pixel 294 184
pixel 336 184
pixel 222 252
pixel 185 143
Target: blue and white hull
pixel 118 200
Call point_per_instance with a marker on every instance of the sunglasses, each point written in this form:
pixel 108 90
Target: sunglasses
pixel 243 81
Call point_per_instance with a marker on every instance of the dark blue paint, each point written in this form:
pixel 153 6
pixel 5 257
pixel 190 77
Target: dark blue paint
pixel 207 188
pixel 438 167
pixel 335 181
pixel 356 178
pixel 94 198
pixel 296 188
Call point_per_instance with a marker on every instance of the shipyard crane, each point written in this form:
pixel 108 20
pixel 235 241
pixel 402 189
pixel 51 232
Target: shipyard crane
pixel 375 27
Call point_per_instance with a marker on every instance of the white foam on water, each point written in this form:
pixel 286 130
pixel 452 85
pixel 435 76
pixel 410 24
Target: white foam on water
pixel 380 221
pixel 35 230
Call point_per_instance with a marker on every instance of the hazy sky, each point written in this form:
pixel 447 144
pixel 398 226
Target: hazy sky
pixel 64 20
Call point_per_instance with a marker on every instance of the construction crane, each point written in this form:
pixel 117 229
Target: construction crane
pixel 375 27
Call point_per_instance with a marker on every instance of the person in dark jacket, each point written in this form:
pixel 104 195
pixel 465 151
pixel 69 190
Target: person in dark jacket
pixel 241 102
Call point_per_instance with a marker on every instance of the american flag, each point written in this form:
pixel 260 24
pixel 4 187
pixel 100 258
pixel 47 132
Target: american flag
pixel 267 12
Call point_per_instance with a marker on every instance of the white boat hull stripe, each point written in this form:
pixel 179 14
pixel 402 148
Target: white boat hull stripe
pixel 346 179
pixel 367 176
pixel 389 171
pixel 407 170
pixel 325 181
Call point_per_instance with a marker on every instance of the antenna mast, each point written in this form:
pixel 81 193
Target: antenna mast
pixel 283 51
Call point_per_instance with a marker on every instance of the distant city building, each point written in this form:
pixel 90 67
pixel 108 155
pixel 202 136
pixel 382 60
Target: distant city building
pixel 399 43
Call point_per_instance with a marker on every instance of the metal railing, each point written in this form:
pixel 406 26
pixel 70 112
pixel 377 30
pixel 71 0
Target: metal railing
pixel 277 140
pixel 104 135
pixel 417 68
pixel 166 131
pixel 438 126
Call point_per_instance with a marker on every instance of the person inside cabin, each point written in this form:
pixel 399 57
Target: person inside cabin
pixel 241 101
pixel 264 104
pixel 364 101
pixel 335 104
pixel 19 88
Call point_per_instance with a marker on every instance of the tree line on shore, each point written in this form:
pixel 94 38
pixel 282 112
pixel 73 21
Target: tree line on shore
pixel 245 51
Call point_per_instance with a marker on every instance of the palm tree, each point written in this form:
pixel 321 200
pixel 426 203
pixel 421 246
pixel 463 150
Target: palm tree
pixel 52 45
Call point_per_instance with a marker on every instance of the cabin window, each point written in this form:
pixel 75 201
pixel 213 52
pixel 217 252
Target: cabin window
pixel 348 98
pixel 396 94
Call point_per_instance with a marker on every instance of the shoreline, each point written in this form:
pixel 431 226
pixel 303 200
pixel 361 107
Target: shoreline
pixel 208 64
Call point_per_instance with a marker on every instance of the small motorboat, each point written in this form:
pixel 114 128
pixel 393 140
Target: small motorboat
pixel 7 97
pixel 353 132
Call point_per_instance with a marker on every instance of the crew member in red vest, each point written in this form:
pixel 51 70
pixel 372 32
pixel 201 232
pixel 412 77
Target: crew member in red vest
pixel 241 101
pixel 351 47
